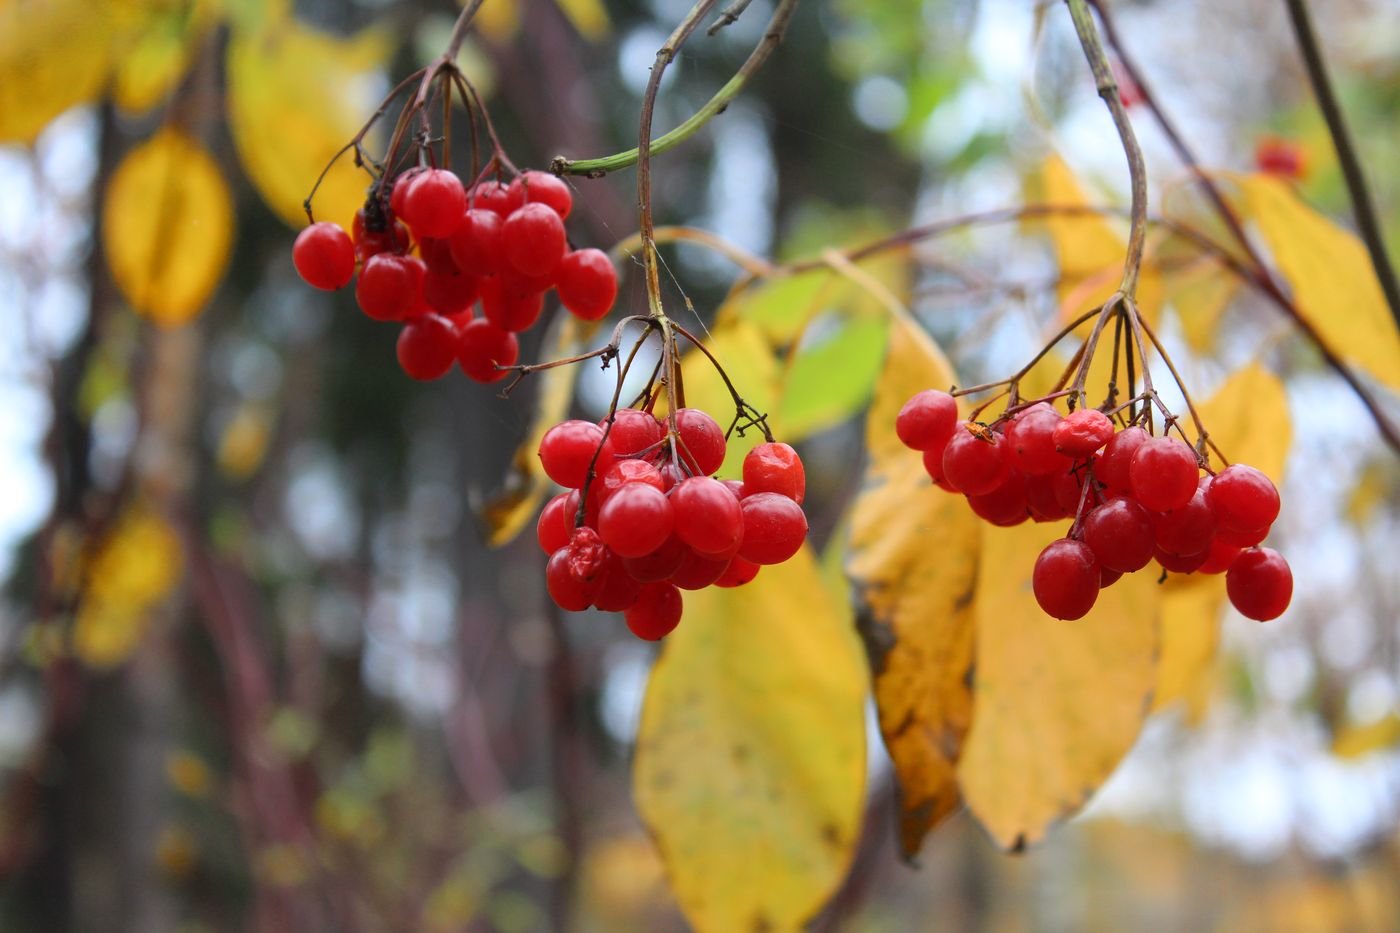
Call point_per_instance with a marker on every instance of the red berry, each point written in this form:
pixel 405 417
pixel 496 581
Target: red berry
pixel 1220 557
pixel 389 286
pixel 324 256
pixel 436 253
pixel 1119 533
pixel 660 564
pixel 380 235
pixel 555 524
pixel 972 465
pixel 774 528
pixel 508 308
pixel 434 203
pixel 1241 539
pixel 1043 499
pixel 671 474
pixel 775 467
pixel 617 592
pixel 482 347
pixel 636 520
pixel 738 573
pixel 476 246
pixel 927 420
pixel 495 196
pixel 1030 441
pixel 1282 157
pixel 1113 465
pixel 1180 563
pixel 1243 499
pixel 1260 584
pixel 567 592
pixel 656 612
pixel 1187 530
pixel 1083 432
pixel 427 347
pixel 633 431
pixel 450 294
pixel 533 240
pixel 735 486
pixel 626 471
pixel 708 517
pixel 701 441
pixel 1066 579
pixel 587 283
pixel 1164 473
pixel 1108 577
pixel 933 466
pixel 698 571
pixel 547 189
pixel 567 449
pixel 1069 490
pixel 1005 505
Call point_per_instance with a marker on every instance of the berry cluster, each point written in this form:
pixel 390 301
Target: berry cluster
pixel 500 245
pixel 1134 498
pixel 645 518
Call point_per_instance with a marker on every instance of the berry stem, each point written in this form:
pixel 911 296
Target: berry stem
pixel 1204 439
pixel 744 412
pixel 1361 204
pixel 772 35
pixel 755 266
pixel 607 351
pixel 1137 170
pixel 1256 271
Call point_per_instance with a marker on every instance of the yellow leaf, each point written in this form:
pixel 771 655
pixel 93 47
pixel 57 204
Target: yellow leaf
pixel 167 222
pixel 1248 419
pixel 1190 637
pixel 1058 704
pixel 133 569
pixel 295 98
pixel 1200 294
pixel 913 561
pixel 1330 275
pixel 1089 249
pixel 498 21
pixel 750 765
pixel 243 443
pixel 589 17
pixel 525 487
pixel 1356 741
pixel 159 50
pixel 54 54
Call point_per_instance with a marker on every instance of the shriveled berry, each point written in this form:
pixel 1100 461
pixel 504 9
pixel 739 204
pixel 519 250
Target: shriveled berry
pixel 567 592
pixel 1243 499
pixel 708 517
pixel 1113 465
pixel 482 347
pixel 927 420
pixel 1119 532
pixel 324 256
pixel 549 190
pixel 701 441
pixel 775 467
pixel 1083 432
pixel 587 283
pixel 656 613
pixel 1163 474
pixel 774 528
pixel 1066 579
pixel 623 472
pixel 567 449
pixel 1030 441
pixel 1260 584
pixel 533 240
pixel 972 465
pixel 476 246
pixel 434 203
pixel 636 520
pixel 379 233
pixel 1006 505
pixel 427 347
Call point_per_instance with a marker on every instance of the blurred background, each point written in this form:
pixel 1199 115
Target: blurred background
pixel 260 668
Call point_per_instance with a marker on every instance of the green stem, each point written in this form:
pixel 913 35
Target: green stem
pixel 597 168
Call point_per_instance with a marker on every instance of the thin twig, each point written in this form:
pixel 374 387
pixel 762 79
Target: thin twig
pixel 1368 224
